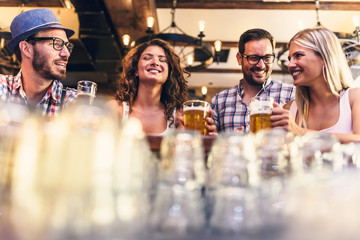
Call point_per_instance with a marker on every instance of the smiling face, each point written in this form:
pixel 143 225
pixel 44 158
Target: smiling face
pixel 305 65
pixel 48 62
pixel 153 65
pixel 257 74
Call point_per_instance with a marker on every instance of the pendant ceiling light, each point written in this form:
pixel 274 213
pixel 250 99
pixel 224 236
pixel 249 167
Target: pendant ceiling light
pixel 195 54
pixel 349 41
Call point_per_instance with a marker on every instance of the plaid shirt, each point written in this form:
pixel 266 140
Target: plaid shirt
pixel 11 90
pixel 230 112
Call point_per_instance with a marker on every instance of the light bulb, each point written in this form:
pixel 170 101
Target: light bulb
pixel 190 60
pixel 201 25
pixel 217 45
pixel 355 20
pixel 150 22
pixel 204 90
pixel 68 4
pixel 2 43
pixel 126 39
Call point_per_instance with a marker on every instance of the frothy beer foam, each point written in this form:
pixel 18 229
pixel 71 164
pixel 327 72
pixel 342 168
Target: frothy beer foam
pixel 199 108
pixel 261 107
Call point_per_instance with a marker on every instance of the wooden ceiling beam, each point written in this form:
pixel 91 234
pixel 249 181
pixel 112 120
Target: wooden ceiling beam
pixel 258 4
pixel 234 70
pixel 235 44
pixel 30 3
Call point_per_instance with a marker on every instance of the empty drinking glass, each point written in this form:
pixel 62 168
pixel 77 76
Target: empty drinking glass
pixel 236 210
pixel 84 177
pixel 232 173
pixel 351 155
pixel 231 161
pixel 319 151
pixel 273 147
pixel 177 212
pixel 12 117
pixel 182 158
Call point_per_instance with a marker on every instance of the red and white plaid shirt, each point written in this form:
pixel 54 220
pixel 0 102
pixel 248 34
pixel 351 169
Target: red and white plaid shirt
pixel 11 90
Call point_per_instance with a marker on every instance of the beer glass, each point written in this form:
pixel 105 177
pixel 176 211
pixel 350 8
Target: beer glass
pixel 236 212
pixel 86 91
pixel 260 112
pixel 195 112
pixel 182 159
pixel 177 212
pixel 319 151
pixel 231 161
pixel 273 148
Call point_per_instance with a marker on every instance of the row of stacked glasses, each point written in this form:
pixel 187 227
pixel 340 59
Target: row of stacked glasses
pixel 268 186
pixel 80 176
pixel 253 185
pixel 84 175
pixel 178 209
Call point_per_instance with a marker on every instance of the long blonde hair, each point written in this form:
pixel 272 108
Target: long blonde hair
pixel 336 71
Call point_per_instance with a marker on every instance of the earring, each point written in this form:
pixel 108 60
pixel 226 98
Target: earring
pixel 323 71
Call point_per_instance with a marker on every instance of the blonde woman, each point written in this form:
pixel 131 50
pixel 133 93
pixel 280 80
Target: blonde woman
pixel 324 100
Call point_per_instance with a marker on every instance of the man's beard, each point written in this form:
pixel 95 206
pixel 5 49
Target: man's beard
pixel 41 66
pixel 255 81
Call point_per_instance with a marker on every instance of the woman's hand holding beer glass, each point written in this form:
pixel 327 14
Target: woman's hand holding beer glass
pixel 197 115
pixel 282 118
pixel 211 128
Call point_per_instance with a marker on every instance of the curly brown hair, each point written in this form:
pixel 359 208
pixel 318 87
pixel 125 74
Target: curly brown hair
pixel 175 89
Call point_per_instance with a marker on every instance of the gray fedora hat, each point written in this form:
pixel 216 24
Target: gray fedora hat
pixel 30 22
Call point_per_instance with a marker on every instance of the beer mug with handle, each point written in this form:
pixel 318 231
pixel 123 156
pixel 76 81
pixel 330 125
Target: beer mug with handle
pixel 182 158
pixel 260 112
pixel 86 91
pixel 195 112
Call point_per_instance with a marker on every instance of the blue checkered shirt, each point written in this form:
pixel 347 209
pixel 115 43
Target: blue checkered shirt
pixel 11 90
pixel 230 112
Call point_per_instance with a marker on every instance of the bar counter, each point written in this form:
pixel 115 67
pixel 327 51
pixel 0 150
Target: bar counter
pixel 155 143
pixel 84 178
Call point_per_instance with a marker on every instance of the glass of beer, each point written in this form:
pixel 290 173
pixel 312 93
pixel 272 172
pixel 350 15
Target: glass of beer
pixel 195 112
pixel 86 91
pixel 260 112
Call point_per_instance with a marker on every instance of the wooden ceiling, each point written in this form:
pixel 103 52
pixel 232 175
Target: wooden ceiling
pixel 129 16
pixel 31 3
pixel 351 5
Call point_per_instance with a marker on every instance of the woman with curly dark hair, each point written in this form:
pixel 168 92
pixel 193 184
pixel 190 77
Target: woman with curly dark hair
pixel 153 88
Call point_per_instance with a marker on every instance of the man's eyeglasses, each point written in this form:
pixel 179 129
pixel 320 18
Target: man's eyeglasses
pixel 58 43
pixel 255 59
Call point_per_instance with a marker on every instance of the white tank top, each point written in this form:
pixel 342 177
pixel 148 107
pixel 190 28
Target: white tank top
pixel 344 123
pixel 126 111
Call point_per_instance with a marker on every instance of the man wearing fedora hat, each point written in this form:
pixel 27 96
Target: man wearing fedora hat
pixel 41 44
